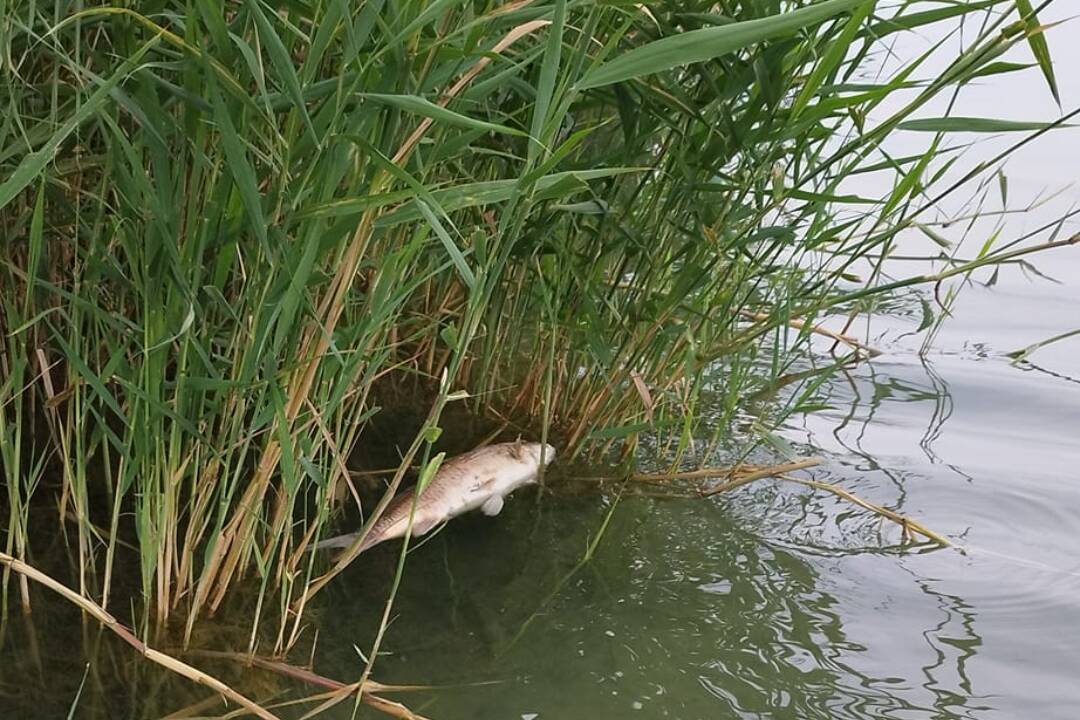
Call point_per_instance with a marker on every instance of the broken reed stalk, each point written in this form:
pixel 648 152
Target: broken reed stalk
pixel 313 678
pixel 817 330
pixel 333 697
pixel 389 707
pixel 747 473
pixel 780 472
pixel 744 474
pixel 907 525
pixel 107 620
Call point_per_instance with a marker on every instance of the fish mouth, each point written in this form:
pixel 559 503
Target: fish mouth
pixel 545 453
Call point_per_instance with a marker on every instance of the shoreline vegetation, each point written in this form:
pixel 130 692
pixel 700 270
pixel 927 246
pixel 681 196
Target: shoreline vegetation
pixel 233 242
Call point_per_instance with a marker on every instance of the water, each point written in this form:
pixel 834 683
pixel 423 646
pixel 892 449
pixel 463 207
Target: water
pixel 772 602
pixel 776 602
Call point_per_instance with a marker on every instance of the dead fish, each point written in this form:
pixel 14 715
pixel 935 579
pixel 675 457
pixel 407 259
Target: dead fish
pixel 477 479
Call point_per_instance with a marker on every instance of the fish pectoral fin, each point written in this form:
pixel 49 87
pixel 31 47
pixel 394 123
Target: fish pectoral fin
pixel 492 506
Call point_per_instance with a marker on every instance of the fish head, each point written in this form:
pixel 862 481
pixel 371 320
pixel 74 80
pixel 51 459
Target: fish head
pixel 542 454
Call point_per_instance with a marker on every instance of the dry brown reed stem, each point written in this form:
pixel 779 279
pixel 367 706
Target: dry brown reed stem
pixel 334 697
pixel 745 474
pixel 390 707
pixel 467 77
pixel 373 473
pixel 740 474
pixel 312 678
pixel 295 671
pixel 102 616
pixel 817 330
pixel 907 525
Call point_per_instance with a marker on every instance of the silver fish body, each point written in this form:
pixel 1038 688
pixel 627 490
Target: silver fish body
pixel 478 479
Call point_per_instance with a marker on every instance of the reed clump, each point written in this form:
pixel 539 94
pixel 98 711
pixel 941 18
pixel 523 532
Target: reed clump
pixel 225 228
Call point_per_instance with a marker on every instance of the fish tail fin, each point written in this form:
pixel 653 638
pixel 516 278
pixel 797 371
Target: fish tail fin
pixel 341 541
pixel 344 545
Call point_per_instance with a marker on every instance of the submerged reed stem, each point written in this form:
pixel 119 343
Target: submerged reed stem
pixel 112 624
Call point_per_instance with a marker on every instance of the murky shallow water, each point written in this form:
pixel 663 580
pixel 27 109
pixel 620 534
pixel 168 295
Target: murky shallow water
pixel 773 602
pixel 695 609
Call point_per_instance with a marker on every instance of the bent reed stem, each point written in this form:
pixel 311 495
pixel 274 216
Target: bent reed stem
pixel 113 625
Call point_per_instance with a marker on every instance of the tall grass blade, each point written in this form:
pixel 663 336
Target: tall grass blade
pixel 1039 47
pixel 975 125
pixel 707 43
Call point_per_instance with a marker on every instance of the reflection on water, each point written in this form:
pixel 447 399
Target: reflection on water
pixel 681 614
pixel 998 448
pixel 775 602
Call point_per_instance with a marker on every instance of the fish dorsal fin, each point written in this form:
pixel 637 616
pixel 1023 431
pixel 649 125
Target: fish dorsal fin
pixel 492 506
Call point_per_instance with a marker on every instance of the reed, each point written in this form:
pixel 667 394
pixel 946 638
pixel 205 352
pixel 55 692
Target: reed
pixel 225 233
